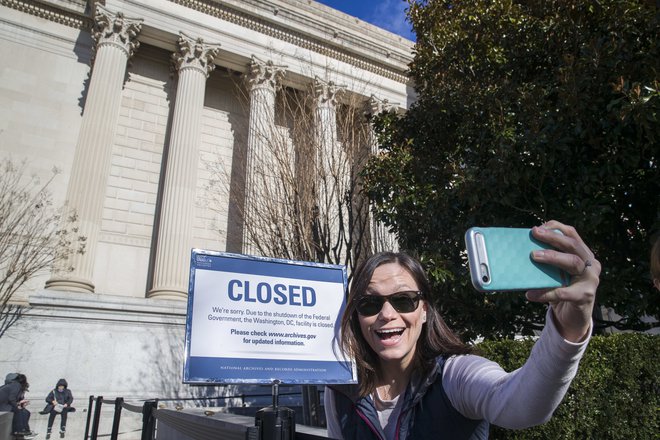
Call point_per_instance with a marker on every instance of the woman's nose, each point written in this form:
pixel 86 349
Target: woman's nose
pixel 387 312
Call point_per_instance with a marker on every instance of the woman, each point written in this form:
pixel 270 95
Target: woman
pixel 417 380
pixel 61 395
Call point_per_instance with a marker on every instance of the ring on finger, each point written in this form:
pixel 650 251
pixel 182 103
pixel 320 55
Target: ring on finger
pixel 587 264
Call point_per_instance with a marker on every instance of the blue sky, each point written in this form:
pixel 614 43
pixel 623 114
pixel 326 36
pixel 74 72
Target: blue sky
pixel 388 14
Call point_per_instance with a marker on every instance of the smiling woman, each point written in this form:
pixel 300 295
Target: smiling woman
pixel 418 380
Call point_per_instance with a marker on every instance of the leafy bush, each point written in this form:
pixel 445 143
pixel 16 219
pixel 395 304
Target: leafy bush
pixel 615 394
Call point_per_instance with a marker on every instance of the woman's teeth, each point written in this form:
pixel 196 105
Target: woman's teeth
pixel 389 333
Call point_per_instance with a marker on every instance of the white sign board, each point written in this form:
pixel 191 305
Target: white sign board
pixel 256 320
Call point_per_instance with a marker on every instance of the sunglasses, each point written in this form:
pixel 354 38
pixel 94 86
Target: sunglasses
pixel 402 302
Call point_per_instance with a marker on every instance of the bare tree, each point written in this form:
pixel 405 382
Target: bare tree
pixel 34 235
pixel 302 197
pixel 306 200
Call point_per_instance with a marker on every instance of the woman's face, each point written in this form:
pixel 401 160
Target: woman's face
pixel 393 335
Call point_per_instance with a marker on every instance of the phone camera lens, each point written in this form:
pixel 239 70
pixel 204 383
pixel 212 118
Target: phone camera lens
pixel 484 278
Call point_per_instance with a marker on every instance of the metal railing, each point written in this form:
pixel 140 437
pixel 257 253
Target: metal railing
pixel 311 406
pixel 94 416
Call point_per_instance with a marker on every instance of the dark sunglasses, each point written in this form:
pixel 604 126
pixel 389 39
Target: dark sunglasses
pixel 402 302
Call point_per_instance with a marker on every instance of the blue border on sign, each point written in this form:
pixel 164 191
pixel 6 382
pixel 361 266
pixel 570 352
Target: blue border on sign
pixel 218 370
pixel 205 370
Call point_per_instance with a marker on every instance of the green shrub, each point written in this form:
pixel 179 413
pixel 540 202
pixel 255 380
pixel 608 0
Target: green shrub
pixel 614 395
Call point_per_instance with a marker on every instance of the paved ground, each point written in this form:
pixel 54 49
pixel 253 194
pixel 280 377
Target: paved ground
pixel 130 425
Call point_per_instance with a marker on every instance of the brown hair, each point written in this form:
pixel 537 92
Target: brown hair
pixel 436 337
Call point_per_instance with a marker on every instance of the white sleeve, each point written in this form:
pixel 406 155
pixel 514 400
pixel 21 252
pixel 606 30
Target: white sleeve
pixel 332 422
pixel 481 389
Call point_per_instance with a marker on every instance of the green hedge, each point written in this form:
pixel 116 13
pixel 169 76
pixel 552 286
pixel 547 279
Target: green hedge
pixel 615 394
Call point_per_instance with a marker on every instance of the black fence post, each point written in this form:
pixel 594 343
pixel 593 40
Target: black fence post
pixel 148 419
pixel 311 405
pixel 116 418
pixel 89 415
pixel 273 422
pixel 97 416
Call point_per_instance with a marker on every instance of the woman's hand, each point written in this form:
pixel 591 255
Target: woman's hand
pixel 572 306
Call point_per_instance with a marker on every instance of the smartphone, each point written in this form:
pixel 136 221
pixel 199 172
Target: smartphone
pixel 500 259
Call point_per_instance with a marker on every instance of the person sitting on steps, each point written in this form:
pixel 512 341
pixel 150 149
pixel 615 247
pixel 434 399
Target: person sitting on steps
pixel 12 399
pixel 59 402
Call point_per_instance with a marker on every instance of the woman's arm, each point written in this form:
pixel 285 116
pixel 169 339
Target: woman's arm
pixel 13 395
pixel 481 389
pixel 528 396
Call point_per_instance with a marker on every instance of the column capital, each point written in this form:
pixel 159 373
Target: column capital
pixel 326 92
pixel 265 74
pixel 116 29
pixel 376 105
pixel 195 54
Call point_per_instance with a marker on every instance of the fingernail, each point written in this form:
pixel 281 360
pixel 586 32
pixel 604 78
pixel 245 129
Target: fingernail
pixel 538 254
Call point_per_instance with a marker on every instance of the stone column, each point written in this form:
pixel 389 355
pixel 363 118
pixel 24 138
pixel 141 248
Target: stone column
pixel 263 142
pixel 115 37
pixel 381 238
pixel 194 63
pixel 332 166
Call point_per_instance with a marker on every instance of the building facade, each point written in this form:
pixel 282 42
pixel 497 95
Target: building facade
pixel 141 105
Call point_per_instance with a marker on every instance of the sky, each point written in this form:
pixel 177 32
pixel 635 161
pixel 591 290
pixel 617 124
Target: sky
pixel 387 14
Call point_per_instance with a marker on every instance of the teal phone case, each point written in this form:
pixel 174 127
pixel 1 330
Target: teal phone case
pixel 508 262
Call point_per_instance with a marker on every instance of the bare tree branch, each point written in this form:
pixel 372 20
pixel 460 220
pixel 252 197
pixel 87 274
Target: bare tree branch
pixel 34 235
pixel 300 208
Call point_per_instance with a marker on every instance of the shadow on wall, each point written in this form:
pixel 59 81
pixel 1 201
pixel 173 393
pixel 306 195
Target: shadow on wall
pixel 163 373
pixel 225 192
pixel 9 315
pixel 237 185
pixel 84 53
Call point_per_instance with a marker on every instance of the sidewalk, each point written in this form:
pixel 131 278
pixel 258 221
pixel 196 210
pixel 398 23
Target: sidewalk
pixel 130 426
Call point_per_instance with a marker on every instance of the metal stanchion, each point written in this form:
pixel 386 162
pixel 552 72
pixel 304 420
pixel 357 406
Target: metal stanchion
pixel 274 422
pixel 97 417
pixel 311 405
pixel 116 417
pixel 148 419
pixel 89 415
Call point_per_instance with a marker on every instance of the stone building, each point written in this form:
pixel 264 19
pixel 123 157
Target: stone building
pixel 132 100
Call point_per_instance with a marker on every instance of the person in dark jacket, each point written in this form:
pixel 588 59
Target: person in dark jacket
pixel 9 393
pixel 12 398
pixel 418 380
pixel 59 403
